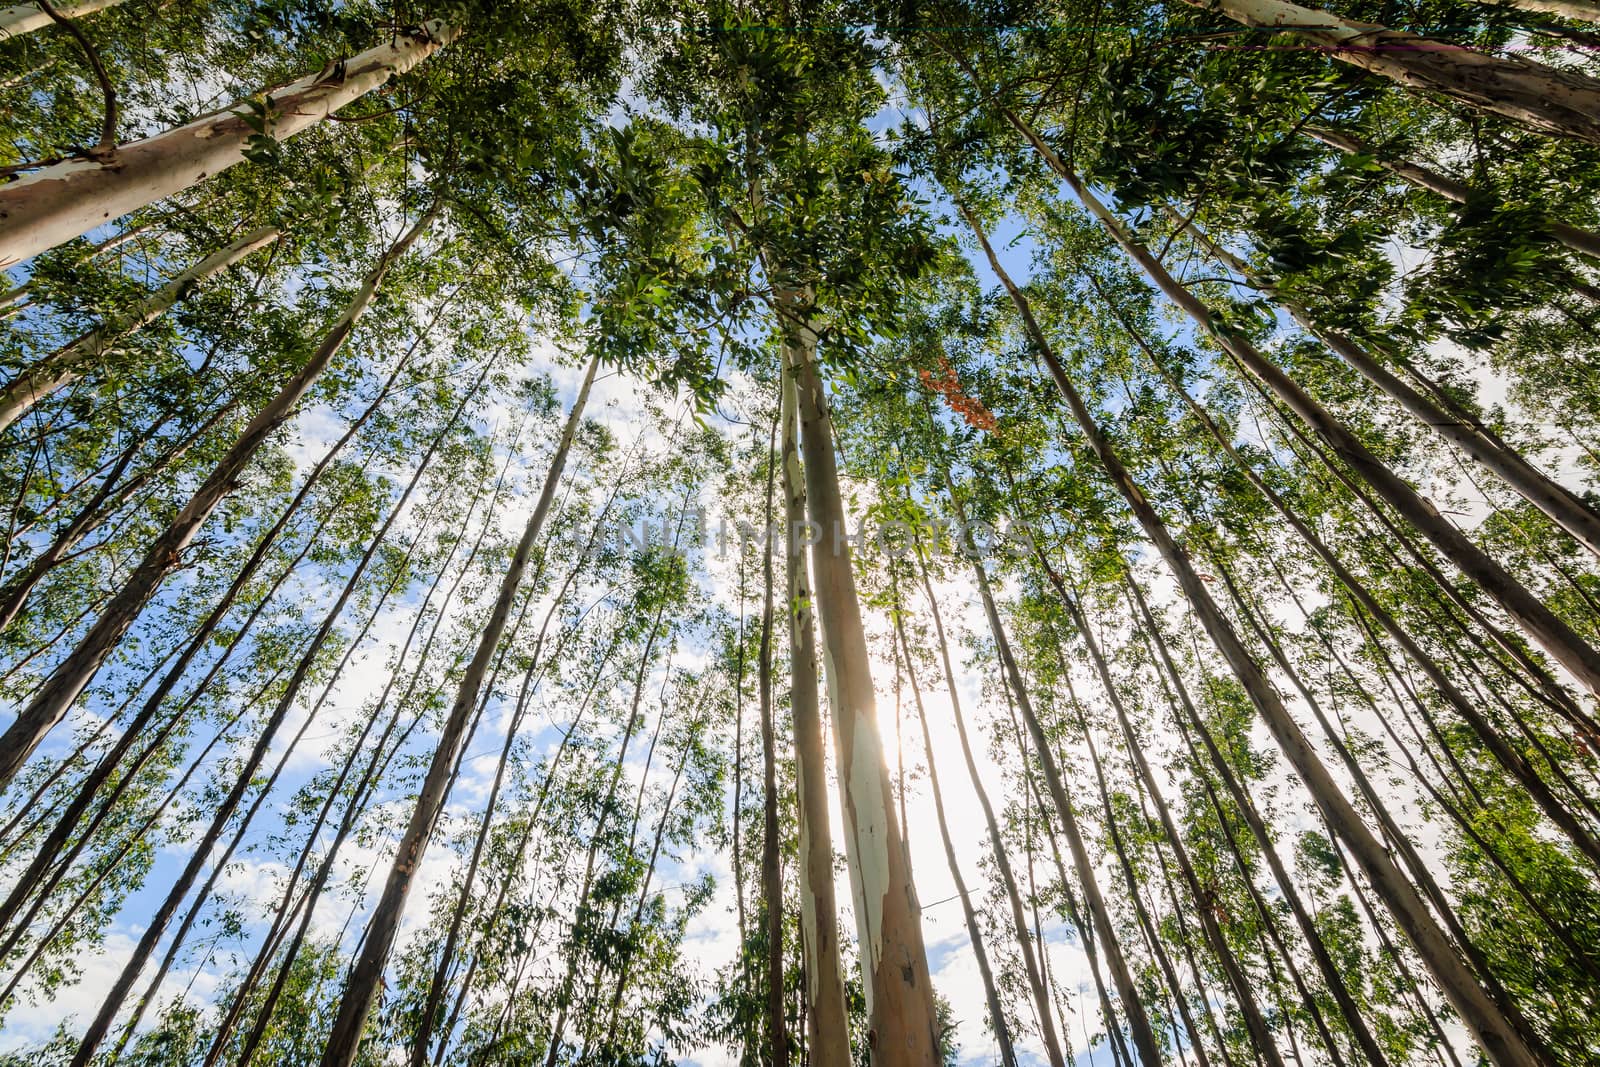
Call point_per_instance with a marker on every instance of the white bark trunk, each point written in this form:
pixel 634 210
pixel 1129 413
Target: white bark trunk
pixel 57 203
pixel 1557 102
pixel 75 672
pixel 66 363
pixel 1571 10
pixel 25 18
pixel 827 1018
pixel 903 1031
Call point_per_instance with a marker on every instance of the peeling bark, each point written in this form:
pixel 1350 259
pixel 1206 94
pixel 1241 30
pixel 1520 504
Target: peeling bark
pixel 1549 100
pixel 903 1029
pixel 827 1020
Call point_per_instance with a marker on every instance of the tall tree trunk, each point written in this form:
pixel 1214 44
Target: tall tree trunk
pixel 70 677
pixel 223 813
pixel 26 18
pixel 1260 1035
pixel 68 362
pixel 1547 99
pixel 771 845
pixel 991 992
pixel 1143 1034
pixel 422 1038
pixel 1030 959
pixel 112 761
pixel 1531 614
pixel 1495 1033
pixel 1584 241
pixel 827 1025
pixel 1562 507
pixel 746 1027
pixel 903 1029
pixel 1146 923
pixel 57 203
pixel 361 990
pixel 1507 756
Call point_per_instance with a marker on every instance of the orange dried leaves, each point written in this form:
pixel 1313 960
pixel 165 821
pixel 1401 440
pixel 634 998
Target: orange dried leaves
pixel 947 383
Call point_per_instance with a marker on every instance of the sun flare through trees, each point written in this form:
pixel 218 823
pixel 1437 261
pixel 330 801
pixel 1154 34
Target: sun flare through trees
pixel 605 532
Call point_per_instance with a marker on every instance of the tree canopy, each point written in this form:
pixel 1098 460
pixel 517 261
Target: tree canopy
pixel 1051 532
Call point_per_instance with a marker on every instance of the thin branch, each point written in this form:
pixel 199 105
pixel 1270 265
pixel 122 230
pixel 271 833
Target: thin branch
pixel 108 129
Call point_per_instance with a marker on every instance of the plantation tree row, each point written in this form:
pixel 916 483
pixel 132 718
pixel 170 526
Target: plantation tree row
pixel 531 528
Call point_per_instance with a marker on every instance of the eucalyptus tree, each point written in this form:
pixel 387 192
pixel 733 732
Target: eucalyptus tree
pixel 794 148
pixel 257 753
pixel 1497 1030
pixel 56 203
pixel 1545 98
pixel 69 678
pixel 26 18
pixel 1296 511
pixel 828 1034
pixel 998 1021
pixel 1057 594
pixel 408 373
pixel 361 990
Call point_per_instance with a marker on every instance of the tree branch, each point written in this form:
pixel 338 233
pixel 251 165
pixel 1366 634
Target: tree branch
pixel 108 129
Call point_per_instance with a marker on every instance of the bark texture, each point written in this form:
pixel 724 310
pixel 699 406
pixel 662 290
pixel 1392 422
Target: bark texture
pixel 902 1029
pixel 1546 99
pixel 827 1019
pixel 57 203
pixel 26 18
